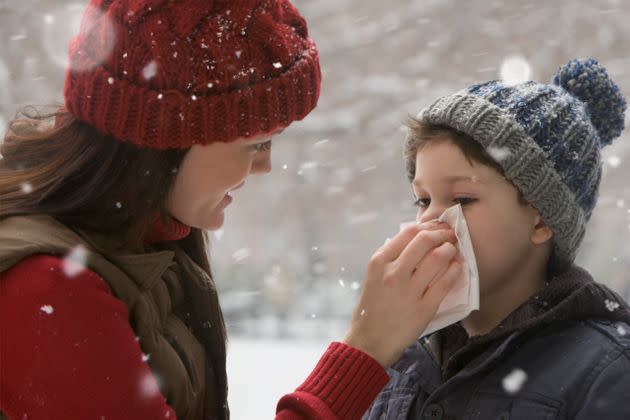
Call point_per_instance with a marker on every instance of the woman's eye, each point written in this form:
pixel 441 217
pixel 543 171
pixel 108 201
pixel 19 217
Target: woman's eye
pixel 262 147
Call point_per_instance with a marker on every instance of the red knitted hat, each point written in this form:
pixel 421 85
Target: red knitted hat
pixel 173 73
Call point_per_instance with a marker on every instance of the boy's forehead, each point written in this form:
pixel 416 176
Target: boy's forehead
pixel 452 179
pixel 447 164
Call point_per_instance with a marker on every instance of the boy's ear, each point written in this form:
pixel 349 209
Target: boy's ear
pixel 541 233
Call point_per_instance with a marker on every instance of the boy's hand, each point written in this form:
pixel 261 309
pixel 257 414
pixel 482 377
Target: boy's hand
pixel 396 304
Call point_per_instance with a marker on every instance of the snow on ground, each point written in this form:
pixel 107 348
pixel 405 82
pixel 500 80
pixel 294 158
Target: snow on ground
pixel 261 371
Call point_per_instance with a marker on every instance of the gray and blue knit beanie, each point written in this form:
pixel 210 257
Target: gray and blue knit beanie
pixel 547 138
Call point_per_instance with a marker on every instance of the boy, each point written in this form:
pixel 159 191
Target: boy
pixel 548 342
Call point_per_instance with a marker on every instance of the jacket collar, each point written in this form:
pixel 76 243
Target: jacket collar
pixel 572 295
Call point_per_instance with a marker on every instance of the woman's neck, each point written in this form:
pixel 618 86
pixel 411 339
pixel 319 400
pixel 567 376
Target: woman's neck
pixel 168 230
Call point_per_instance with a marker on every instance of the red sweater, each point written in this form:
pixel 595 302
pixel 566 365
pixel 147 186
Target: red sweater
pixel 67 351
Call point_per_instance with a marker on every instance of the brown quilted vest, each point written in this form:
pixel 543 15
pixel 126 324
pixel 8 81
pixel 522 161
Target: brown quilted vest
pixel 167 297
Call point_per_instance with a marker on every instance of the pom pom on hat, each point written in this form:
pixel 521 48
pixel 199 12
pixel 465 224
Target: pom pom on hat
pixel 587 80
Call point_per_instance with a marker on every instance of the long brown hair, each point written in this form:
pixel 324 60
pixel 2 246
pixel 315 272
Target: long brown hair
pixel 82 177
pixel 54 164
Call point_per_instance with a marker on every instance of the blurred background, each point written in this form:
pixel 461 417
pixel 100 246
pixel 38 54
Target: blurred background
pixel 291 257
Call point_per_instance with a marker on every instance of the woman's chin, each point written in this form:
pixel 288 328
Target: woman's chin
pixel 215 222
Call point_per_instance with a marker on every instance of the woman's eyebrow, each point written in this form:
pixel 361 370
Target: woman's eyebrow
pixel 264 139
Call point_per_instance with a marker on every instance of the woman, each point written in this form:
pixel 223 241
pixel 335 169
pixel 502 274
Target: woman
pixel 107 304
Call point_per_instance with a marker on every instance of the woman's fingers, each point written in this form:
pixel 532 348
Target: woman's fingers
pixel 433 265
pixel 391 312
pixel 421 245
pixel 392 249
pixel 433 296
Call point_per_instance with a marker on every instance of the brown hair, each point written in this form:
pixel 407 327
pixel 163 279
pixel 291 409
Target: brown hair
pixel 82 177
pixel 90 180
pixel 421 133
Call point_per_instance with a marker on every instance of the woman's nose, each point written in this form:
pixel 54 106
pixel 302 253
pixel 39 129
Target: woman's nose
pixel 262 165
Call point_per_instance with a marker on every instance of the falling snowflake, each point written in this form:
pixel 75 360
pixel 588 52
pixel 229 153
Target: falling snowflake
pixel 64 22
pixel 363 218
pixel 342 283
pixel 210 85
pixel 160 96
pixel 238 54
pixel 513 382
pixel 355 285
pixel 614 161
pixel 149 71
pixel 621 330
pixel 499 154
pixel 118 205
pixel 611 305
pixel 145 357
pixel 514 70
pixel 75 261
pixel 110 80
pixel 148 386
pixel 241 254
pixel 277 65
pixel 363 312
pixel 313 316
pixel 47 309
pixel 26 187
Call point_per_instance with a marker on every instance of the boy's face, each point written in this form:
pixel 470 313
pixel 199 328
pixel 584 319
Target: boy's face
pixel 502 230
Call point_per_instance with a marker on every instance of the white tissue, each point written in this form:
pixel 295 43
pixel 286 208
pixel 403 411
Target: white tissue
pixel 463 298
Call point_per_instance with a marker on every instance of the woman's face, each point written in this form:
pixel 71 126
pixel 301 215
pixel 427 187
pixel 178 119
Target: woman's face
pixel 208 174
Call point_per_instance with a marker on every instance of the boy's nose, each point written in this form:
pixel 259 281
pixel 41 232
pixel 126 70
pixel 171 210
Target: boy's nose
pixel 433 212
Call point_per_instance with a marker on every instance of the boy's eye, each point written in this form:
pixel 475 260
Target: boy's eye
pixel 465 200
pixel 262 147
pixel 425 202
pixel 422 203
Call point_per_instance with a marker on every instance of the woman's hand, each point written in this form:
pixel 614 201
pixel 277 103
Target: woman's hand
pixel 396 303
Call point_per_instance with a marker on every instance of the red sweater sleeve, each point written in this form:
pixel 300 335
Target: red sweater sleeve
pixel 342 386
pixel 67 350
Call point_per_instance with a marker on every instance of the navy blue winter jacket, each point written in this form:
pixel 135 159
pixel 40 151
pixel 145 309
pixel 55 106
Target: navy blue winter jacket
pixel 564 354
